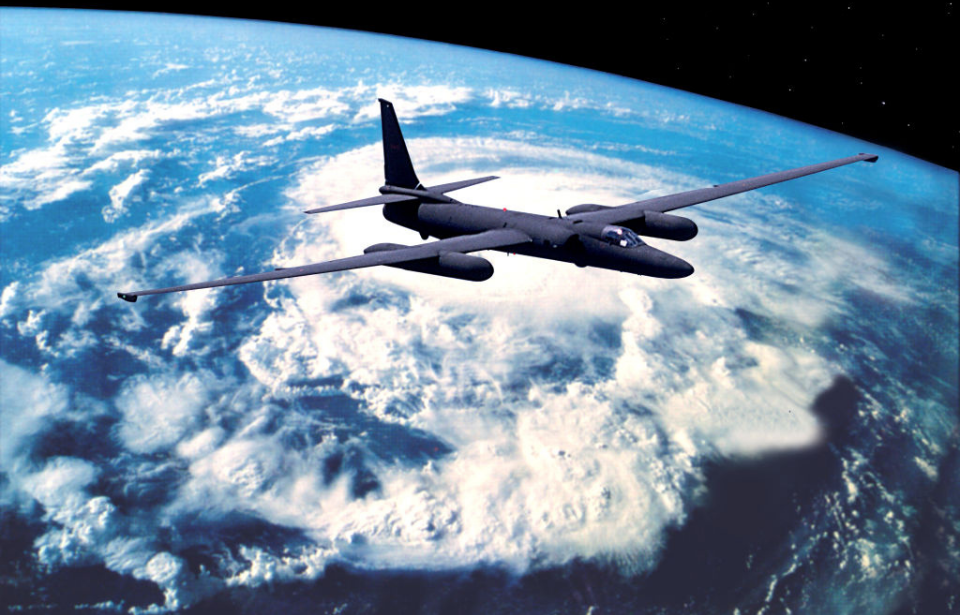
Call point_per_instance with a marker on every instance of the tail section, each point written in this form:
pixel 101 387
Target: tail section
pixel 401 188
pixel 397 167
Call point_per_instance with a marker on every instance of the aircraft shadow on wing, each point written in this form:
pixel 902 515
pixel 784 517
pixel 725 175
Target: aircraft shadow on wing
pixel 587 236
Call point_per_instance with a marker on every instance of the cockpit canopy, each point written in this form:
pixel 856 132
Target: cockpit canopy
pixel 620 236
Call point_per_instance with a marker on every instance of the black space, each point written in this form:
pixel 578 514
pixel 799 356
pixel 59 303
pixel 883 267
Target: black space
pixel 882 73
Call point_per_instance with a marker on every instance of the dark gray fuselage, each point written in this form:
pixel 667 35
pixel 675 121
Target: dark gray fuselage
pixel 561 239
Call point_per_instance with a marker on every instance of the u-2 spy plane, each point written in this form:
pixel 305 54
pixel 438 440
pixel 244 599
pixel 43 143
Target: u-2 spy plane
pixel 587 236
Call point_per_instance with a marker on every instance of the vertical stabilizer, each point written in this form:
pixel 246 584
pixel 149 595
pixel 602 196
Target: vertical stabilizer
pixel 397 167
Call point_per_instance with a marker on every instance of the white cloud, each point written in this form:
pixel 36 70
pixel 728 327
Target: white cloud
pixel 82 527
pixel 170 67
pixel 508 98
pixel 74 289
pixel 87 530
pixel 48 174
pixel 570 102
pixel 28 403
pixel 306 105
pixel 85 140
pixel 200 444
pixel 120 195
pixel 43 176
pixel 138 119
pixel 32 325
pixel 310 132
pixel 411 101
pixel 7 298
pixel 260 130
pixel 125 158
pixel 74 125
pixel 159 411
pixel 545 468
pixel 107 264
pixel 595 459
pixel 304 563
pixel 228 167
pixel 191 267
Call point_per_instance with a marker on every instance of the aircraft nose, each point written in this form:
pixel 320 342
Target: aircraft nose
pixel 686 269
pixel 659 264
pixel 673 267
pixel 680 268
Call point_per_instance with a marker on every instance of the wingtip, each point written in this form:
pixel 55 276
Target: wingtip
pixel 870 157
pixel 128 297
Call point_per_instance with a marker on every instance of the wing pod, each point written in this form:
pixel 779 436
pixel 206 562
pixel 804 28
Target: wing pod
pixel 648 223
pixel 586 208
pixel 445 264
pixel 665 226
pixel 444 257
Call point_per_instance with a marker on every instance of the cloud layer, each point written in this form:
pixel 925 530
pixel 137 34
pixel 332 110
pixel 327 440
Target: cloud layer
pixel 564 423
pixel 382 418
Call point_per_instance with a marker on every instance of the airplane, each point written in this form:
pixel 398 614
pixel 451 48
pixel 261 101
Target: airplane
pixel 589 235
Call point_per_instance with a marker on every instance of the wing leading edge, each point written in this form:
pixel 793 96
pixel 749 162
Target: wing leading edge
pixel 465 243
pixel 631 211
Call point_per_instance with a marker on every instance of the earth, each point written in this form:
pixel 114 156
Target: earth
pixel 776 433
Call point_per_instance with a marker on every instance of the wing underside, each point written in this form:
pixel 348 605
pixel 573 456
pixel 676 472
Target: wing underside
pixel 465 243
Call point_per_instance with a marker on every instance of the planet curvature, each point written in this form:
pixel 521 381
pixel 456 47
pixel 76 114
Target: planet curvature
pixel 775 433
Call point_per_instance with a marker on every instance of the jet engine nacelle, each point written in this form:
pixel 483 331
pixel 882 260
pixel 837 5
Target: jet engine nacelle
pixel 448 264
pixel 586 208
pixel 651 223
pixel 665 226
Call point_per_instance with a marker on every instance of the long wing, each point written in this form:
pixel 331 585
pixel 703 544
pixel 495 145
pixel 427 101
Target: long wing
pixel 670 202
pixel 465 243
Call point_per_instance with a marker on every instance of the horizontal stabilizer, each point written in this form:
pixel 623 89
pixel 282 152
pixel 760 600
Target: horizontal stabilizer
pixel 373 200
pixel 466 183
pixel 397 194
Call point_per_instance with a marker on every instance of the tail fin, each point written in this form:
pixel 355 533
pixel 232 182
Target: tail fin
pixel 397 167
